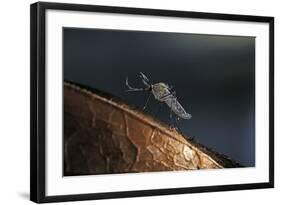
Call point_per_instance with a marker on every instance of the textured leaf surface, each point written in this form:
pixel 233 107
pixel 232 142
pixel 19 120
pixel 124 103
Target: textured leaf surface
pixel 103 135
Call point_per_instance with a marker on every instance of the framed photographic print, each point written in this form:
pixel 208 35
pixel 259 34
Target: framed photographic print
pixel 129 102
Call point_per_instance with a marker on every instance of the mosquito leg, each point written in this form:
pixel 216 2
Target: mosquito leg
pixel 177 125
pixel 158 111
pixel 171 114
pixel 175 119
pixel 172 119
pixel 146 102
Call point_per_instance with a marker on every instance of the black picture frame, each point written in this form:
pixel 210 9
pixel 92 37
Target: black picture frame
pixel 38 101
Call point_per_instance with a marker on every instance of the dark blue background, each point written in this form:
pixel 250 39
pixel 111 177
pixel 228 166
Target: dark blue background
pixel 213 77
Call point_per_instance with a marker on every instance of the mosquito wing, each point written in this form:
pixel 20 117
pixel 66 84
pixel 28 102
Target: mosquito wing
pixel 177 108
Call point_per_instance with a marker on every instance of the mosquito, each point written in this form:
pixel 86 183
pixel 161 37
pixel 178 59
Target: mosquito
pixel 162 92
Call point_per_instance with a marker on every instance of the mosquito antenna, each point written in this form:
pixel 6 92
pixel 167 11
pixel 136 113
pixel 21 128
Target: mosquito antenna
pixel 144 77
pixel 145 80
pixel 132 89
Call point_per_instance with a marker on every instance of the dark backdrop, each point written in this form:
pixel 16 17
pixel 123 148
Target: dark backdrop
pixel 213 76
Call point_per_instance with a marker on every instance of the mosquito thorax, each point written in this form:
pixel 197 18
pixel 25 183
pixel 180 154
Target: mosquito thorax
pixel 159 90
pixel 160 86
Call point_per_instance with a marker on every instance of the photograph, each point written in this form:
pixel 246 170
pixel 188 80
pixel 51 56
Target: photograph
pixel 134 102
pixel 147 101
